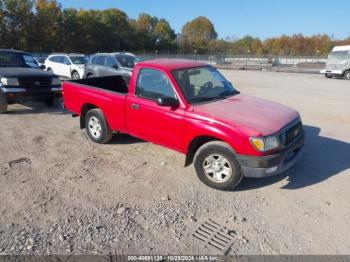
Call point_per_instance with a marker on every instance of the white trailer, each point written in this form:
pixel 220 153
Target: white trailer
pixel 338 63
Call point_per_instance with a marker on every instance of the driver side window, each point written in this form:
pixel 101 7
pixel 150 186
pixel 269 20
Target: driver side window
pixel 152 84
pixel 110 61
pixel 65 60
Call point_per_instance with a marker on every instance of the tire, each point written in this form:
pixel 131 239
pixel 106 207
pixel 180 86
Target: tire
pixel 97 127
pixel 50 102
pixel 327 76
pixel 3 104
pixel 75 75
pixel 347 75
pixel 208 158
pixel 89 75
pixel 50 70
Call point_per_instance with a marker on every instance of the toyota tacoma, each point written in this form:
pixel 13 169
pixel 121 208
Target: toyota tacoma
pixel 188 106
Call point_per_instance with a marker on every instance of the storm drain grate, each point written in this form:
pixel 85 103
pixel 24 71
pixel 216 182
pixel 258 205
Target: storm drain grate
pixel 215 235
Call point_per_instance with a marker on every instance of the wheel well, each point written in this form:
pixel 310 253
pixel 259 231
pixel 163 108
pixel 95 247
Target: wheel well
pixel 195 144
pixel 86 108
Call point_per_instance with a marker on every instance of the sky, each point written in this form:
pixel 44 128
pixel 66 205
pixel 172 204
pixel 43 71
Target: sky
pixel 237 18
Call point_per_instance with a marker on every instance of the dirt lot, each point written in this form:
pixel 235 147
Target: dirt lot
pixel 67 195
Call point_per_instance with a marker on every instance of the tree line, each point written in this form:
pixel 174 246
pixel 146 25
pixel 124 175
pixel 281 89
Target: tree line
pixel 44 26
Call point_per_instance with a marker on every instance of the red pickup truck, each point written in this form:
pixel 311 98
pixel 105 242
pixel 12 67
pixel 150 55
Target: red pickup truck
pixel 190 107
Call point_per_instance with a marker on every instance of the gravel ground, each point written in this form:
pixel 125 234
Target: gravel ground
pixel 62 194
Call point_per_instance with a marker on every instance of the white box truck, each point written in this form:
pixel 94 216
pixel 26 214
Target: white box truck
pixel 338 63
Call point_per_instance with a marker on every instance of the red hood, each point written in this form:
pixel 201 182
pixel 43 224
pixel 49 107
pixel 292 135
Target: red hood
pixel 248 113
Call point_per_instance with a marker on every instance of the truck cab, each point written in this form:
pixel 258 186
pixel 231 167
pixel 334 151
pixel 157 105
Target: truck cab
pixel 338 64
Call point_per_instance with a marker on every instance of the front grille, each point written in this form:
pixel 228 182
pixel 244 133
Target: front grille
pixel 34 82
pixel 293 132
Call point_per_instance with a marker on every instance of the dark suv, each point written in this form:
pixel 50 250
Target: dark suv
pixel 21 78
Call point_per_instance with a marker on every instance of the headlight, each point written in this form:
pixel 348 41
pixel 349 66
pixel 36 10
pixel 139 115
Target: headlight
pixel 55 81
pixel 9 81
pixel 264 144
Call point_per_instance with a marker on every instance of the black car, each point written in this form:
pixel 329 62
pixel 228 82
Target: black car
pixel 21 78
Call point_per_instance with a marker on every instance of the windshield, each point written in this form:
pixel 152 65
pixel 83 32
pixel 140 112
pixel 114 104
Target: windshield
pixel 30 61
pixel 126 60
pixel 12 59
pixel 339 55
pixel 202 84
pixel 78 60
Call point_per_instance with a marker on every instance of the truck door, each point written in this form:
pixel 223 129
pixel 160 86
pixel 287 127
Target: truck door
pixel 145 119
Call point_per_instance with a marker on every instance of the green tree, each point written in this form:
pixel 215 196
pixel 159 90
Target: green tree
pixel 256 46
pixel 17 23
pixel 48 23
pixel 116 29
pixel 3 29
pixel 196 35
pixel 145 30
pixel 244 45
pixel 72 37
pixel 165 35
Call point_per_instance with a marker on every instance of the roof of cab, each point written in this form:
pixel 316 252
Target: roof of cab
pixel 171 64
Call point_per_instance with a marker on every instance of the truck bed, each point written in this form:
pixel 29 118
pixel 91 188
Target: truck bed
pixel 106 93
pixel 117 83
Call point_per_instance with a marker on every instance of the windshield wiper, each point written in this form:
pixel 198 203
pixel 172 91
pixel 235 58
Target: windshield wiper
pixel 204 99
pixel 229 93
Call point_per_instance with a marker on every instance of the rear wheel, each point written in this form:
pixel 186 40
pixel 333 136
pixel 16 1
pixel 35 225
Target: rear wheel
pixel 216 166
pixel 89 75
pixel 75 75
pixel 50 70
pixel 347 75
pixel 327 76
pixel 97 127
pixel 3 103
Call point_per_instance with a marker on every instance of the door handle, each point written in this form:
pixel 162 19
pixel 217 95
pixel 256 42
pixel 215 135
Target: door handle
pixel 135 106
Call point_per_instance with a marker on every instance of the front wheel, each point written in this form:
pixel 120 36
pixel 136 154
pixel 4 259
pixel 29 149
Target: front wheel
pixel 347 75
pixel 3 103
pixel 75 75
pixel 216 166
pixel 97 127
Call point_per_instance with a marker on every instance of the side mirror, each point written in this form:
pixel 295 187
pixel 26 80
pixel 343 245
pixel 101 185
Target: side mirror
pixel 168 101
pixel 115 66
pixel 43 67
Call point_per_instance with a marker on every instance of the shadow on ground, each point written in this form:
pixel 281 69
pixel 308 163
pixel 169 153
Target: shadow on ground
pixel 32 108
pixel 323 158
pixel 125 139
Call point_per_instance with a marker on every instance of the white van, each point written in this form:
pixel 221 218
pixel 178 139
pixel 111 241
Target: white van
pixel 338 64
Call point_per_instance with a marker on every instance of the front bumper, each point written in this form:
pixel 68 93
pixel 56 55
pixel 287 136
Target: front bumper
pixel 332 72
pixel 273 164
pixel 19 94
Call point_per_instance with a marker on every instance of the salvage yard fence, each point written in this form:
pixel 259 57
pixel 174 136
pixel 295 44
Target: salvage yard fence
pixel 308 64
pixel 303 64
